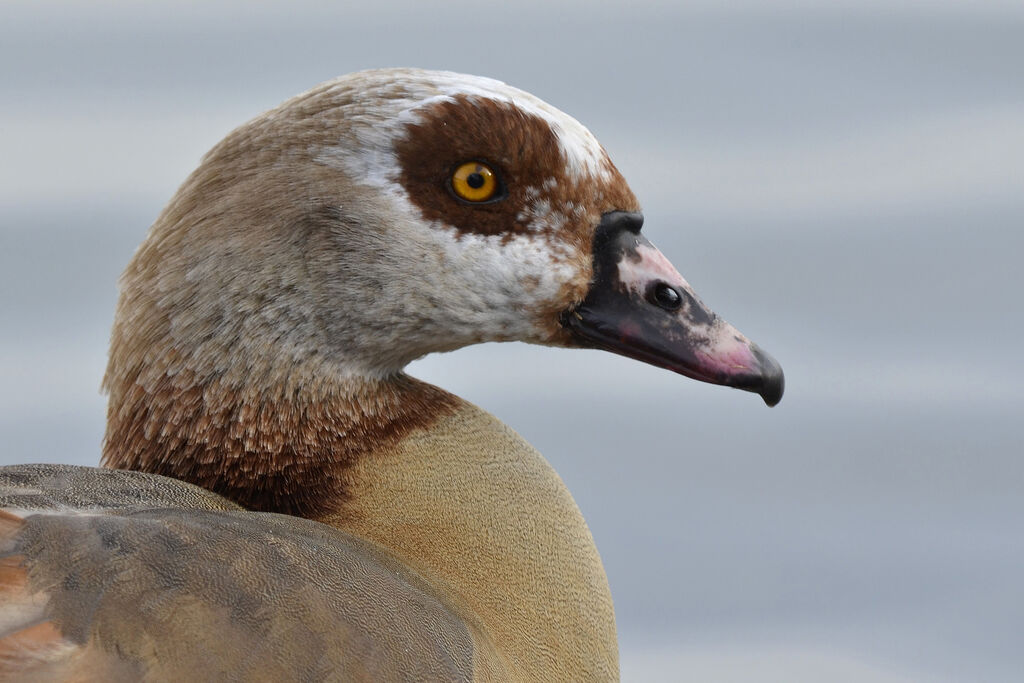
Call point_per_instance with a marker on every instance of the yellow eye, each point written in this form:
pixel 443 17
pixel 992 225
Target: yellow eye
pixel 475 182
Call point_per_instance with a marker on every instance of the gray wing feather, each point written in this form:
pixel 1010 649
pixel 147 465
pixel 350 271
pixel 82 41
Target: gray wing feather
pixel 123 581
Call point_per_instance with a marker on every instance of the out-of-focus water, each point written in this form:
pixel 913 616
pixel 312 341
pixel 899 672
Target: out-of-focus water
pixel 844 184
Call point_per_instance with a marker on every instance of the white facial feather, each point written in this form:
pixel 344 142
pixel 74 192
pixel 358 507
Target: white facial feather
pixel 397 96
pixel 438 290
pixel 581 151
pixel 384 285
pixel 478 287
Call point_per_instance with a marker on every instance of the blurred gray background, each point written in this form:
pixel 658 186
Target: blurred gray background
pixel 844 182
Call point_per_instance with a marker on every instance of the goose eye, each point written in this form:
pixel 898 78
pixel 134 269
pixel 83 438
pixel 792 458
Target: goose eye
pixel 474 181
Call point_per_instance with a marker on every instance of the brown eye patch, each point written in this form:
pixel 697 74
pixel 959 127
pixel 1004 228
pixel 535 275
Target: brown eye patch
pixel 520 148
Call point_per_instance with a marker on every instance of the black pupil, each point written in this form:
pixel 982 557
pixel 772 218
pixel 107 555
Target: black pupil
pixel 475 180
pixel 667 297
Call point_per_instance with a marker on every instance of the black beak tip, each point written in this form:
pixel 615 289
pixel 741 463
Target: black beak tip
pixel 773 381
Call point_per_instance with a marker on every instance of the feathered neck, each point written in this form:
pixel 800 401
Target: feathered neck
pixel 283 447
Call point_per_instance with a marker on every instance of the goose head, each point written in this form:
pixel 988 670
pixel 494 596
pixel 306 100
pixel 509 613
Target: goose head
pixel 393 213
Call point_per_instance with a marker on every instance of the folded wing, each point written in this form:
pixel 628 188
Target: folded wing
pixel 124 586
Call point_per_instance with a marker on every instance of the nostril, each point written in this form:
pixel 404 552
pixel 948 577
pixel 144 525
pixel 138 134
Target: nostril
pixel 666 296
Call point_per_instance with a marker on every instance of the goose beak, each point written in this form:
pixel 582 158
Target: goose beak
pixel 640 306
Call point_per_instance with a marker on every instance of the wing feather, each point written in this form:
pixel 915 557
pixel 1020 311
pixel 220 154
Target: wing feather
pixel 184 593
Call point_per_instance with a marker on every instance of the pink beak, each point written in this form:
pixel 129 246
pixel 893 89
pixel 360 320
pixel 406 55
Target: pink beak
pixel 640 306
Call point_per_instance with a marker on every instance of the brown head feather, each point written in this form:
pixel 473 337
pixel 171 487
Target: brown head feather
pixel 524 150
pixel 266 452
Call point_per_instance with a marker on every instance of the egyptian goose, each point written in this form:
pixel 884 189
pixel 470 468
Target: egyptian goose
pixel 298 508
